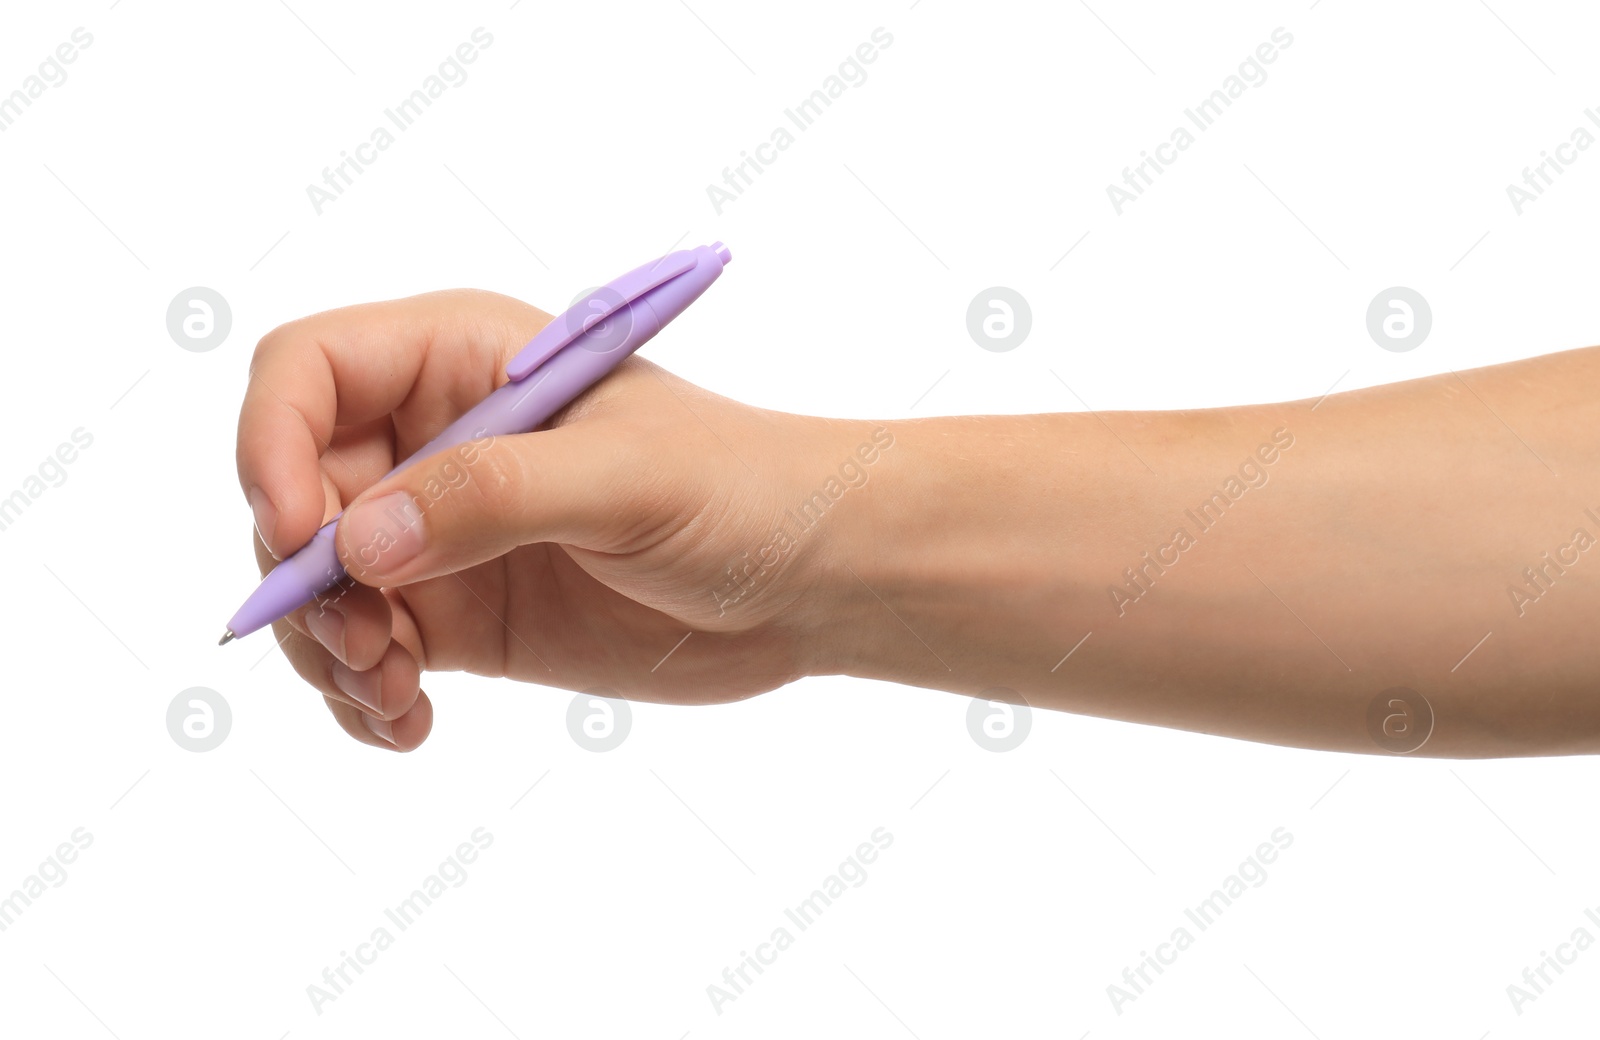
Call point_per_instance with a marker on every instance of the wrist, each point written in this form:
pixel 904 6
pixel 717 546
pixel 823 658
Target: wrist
pixel 920 561
pixel 836 511
pixel 960 564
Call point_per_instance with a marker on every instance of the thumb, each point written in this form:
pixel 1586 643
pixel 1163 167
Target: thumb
pixel 483 498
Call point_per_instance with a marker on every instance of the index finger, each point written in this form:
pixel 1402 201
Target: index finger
pixel 425 359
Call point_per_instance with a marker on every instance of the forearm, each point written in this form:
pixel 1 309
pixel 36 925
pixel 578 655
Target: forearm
pixel 1262 572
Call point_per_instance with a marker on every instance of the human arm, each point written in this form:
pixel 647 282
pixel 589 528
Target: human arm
pixel 656 540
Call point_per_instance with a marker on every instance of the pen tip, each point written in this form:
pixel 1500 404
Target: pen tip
pixel 227 637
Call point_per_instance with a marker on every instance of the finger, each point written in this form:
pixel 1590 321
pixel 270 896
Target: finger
pixel 575 484
pixel 391 711
pixel 352 366
pixel 403 734
pixel 374 703
pixel 358 457
pixel 353 622
pixel 386 691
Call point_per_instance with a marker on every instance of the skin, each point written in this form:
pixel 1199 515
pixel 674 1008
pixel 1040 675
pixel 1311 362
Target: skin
pixel 1369 540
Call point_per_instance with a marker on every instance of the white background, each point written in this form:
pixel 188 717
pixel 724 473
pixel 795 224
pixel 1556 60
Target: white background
pixel 219 885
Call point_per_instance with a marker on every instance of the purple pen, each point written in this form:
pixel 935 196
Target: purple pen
pixel 568 356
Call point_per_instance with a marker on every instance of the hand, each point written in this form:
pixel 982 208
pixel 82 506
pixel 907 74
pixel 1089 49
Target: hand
pixel 631 544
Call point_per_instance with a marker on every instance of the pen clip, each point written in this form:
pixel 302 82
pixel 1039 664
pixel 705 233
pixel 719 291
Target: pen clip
pixel 596 307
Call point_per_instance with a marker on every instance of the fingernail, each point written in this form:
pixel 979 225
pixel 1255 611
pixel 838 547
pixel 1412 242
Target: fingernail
pixel 384 534
pixel 327 625
pixel 380 728
pixel 365 688
pixel 266 516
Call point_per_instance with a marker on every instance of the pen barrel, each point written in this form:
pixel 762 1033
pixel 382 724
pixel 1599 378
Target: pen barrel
pixel 528 403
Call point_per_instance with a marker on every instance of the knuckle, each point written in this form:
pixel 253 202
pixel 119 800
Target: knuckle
pixel 273 342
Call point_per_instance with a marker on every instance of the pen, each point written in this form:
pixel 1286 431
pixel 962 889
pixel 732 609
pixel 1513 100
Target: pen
pixel 575 351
